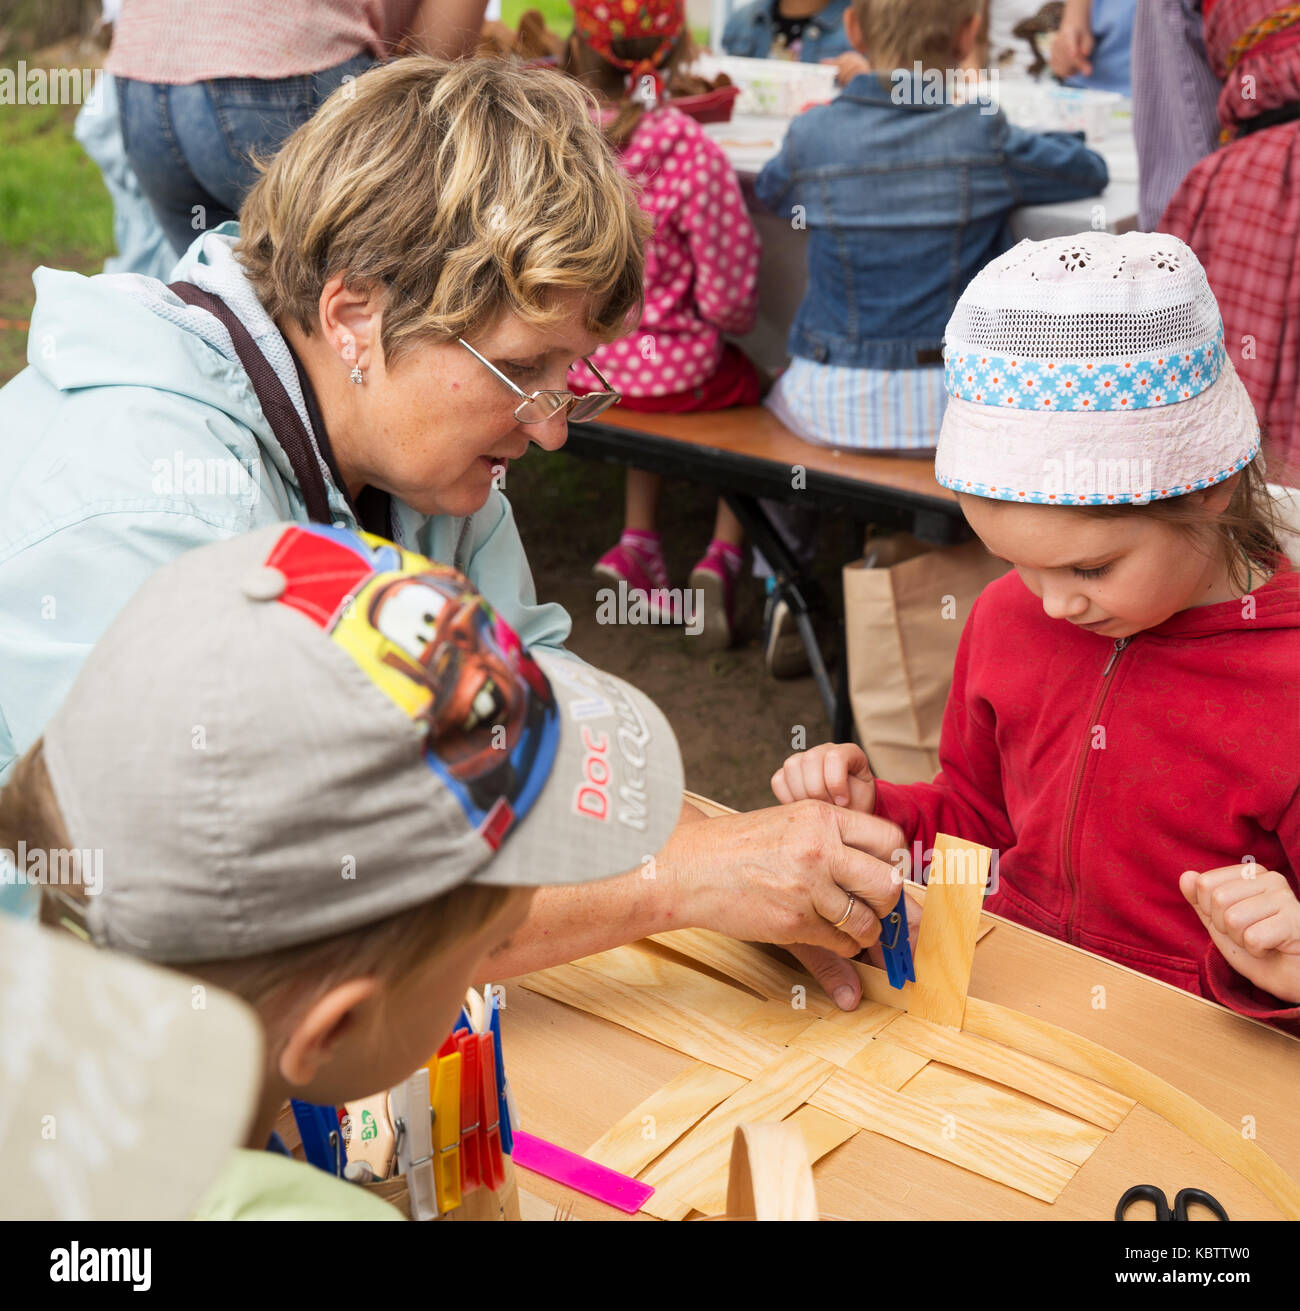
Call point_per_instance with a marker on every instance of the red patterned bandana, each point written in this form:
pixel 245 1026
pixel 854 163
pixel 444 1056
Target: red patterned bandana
pixel 602 22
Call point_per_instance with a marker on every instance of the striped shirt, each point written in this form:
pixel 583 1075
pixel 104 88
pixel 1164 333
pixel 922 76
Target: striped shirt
pixel 1174 97
pixel 183 41
pixel 860 409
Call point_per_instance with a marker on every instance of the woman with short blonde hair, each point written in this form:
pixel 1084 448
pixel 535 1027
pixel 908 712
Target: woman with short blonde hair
pixel 390 324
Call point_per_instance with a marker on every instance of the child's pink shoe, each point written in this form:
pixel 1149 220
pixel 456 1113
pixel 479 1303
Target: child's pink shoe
pixel 638 563
pixel 713 581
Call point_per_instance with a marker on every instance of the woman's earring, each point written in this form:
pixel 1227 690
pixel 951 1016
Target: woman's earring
pixel 356 375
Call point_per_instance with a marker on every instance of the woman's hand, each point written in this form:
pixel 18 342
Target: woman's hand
pixel 785 875
pixel 834 772
pixel 1253 917
pixel 837 976
pixel 1072 44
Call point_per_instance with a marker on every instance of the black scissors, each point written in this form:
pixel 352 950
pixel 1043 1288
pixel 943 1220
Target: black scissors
pixel 1186 1197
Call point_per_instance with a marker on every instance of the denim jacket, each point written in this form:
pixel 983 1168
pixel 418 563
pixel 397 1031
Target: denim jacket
pixel 904 203
pixel 750 30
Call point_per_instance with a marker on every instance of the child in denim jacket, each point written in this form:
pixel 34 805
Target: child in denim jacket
pixel 906 195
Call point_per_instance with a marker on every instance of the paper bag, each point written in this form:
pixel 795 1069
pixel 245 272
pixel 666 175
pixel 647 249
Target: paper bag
pixel 905 604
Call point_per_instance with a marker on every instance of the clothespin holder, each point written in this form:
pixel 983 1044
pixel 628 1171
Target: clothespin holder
pixel 322 1136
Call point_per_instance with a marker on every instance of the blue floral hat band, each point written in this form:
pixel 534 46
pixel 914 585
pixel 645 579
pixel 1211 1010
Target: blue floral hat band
pixel 1010 382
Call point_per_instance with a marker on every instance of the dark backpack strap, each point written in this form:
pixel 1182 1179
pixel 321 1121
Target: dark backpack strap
pixel 286 425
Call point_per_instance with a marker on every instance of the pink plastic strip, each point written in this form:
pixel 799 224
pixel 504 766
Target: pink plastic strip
pixel 578 1173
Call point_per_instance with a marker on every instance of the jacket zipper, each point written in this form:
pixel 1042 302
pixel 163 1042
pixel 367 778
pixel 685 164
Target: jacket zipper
pixel 1068 832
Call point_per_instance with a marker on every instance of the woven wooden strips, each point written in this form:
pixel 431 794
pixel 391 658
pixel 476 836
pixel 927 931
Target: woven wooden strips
pixel 693 1172
pixel 1082 1097
pixel 651 1128
pixel 644 1011
pixel 1011 1113
pixel 886 1063
pixel 840 1037
pixel 939 1132
pixel 1073 1052
pixel 749 966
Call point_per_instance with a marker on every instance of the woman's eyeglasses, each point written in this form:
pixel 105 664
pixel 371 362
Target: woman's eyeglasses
pixel 538 406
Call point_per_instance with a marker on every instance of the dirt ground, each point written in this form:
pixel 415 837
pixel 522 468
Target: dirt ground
pixel 733 720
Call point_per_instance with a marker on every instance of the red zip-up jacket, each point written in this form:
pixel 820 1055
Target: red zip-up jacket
pixel 1101 770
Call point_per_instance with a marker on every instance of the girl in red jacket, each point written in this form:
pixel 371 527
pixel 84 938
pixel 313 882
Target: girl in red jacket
pixel 1124 721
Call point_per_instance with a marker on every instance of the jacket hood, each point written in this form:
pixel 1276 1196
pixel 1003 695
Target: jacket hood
pixel 125 329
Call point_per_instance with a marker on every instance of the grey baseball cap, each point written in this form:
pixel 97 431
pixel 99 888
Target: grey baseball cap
pixel 303 730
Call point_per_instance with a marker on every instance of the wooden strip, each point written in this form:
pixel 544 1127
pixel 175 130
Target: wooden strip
pixel 886 1063
pixel 647 966
pixel 840 1037
pixel 695 1169
pixel 750 966
pixel 642 966
pixel 777 1022
pixel 631 1144
pixel 1082 1056
pixel 693 1033
pixel 945 946
pixel 939 1132
pixel 822 1132
pixel 769 1177
pixel 1085 1098
pixel 1004 1111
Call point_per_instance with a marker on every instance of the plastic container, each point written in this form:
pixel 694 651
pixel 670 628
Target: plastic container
pixel 777 87
pixel 709 107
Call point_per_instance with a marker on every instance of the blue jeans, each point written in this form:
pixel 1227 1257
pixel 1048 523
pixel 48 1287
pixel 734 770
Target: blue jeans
pixel 190 145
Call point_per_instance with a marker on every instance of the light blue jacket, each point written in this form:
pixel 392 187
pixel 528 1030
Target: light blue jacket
pixel 135 435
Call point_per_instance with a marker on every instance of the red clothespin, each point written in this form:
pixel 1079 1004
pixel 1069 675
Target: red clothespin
pixel 471 1170
pixel 493 1168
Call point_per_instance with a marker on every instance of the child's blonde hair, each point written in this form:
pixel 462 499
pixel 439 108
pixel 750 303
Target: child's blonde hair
pixel 608 81
pixel 470 190
pixel 900 33
pixel 1245 535
pixel 274 983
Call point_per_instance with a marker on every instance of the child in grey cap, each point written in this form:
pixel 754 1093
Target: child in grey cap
pixel 317 770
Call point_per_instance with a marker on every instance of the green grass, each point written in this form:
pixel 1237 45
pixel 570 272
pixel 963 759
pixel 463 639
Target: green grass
pixel 52 199
pixel 558 13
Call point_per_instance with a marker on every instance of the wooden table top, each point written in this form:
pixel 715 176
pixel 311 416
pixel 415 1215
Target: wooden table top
pixel 574 1075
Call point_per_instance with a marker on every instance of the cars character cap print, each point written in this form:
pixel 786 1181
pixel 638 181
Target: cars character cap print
pixel 304 729
pixel 437 649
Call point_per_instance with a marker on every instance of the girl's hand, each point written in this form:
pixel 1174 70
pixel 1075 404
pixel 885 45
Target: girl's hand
pixel 837 773
pixel 1253 917
pixel 1072 44
pixel 848 66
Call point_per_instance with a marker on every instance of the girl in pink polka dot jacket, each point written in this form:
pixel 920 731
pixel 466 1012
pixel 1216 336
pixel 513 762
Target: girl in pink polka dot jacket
pixel 701 280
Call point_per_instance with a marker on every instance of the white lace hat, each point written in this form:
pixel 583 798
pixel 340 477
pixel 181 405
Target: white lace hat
pixel 1091 370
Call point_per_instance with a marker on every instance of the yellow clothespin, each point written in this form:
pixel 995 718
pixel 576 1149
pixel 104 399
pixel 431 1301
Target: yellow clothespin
pixel 444 1079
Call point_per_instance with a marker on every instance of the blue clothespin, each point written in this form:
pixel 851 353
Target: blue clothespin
pixel 897 945
pixel 462 1024
pixel 504 1099
pixel 322 1137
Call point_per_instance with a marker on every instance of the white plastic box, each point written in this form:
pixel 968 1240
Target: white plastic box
pixel 778 87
